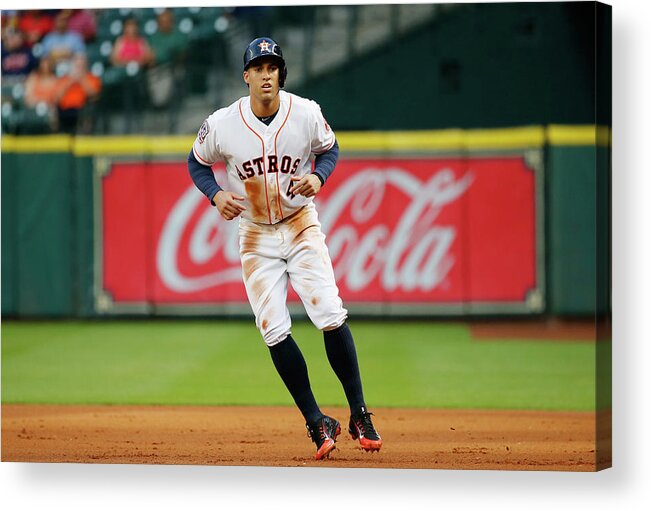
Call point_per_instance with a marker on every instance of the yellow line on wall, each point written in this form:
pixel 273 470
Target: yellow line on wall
pixel 145 145
pixel 443 140
pixel 391 141
pixel 36 144
pixel 507 138
pixel 583 135
pixel 85 146
pixel 354 141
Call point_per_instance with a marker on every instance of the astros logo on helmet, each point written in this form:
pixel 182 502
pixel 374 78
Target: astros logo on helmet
pixel 266 47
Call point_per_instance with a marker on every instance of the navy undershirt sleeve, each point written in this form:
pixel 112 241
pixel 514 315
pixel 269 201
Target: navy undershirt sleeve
pixel 203 177
pixel 325 163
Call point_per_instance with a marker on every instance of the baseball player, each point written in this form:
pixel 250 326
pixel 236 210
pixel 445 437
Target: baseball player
pixel 270 141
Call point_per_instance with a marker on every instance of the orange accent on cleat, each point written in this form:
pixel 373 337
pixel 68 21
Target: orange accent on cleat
pixel 325 450
pixel 324 434
pixel 370 445
pixel 361 427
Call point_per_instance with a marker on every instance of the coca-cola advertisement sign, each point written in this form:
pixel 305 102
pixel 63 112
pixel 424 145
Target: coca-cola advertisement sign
pixel 406 232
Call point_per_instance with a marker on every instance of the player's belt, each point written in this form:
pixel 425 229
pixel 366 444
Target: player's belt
pixel 283 220
pixel 292 215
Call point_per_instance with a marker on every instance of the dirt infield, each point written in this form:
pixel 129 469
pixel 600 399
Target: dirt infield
pixel 274 436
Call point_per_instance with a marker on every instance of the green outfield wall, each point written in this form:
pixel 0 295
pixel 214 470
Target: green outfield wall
pixel 49 197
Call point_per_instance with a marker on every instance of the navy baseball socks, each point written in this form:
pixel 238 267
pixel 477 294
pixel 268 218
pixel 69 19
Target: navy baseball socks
pixel 291 367
pixel 340 348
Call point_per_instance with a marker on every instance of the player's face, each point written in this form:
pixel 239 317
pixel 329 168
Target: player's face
pixel 263 79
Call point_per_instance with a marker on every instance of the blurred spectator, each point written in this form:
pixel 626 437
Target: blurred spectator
pixel 83 22
pixel 168 44
pixel 74 91
pixel 9 19
pixel 168 41
pixel 17 59
pixel 41 90
pixel 62 43
pixel 35 24
pixel 131 46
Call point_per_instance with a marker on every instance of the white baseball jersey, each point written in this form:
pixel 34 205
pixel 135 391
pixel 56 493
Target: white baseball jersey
pixel 280 234
pixel 260 159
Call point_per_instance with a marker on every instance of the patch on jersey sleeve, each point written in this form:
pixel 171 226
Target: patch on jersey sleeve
pixel 327 126
pixel 203 131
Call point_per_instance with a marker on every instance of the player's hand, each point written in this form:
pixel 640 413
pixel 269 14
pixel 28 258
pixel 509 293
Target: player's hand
pixel 307 186
pixel 228 204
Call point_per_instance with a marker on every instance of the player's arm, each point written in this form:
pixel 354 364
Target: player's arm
pixel 324 164
pixel 227 203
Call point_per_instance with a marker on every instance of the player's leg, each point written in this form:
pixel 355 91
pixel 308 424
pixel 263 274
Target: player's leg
pixel 312 276
pixel 265 279
pixel 291 367
pixel 310 271
pixel 340 348
pixel 342 355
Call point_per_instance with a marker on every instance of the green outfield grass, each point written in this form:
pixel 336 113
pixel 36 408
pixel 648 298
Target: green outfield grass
pixel 403 364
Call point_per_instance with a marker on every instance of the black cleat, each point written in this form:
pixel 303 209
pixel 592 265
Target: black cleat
pixel 324 434
pixel 361 427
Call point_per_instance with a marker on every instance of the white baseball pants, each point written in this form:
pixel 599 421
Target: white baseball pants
pixel 291 250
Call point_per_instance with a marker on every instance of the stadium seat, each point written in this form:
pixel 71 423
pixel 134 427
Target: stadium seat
pixel 94 53
pixel 31 121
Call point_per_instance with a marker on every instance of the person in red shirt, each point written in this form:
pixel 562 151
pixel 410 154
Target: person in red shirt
pixel 74 91
pixel 35 24
pixel 131 46
pixel 83 22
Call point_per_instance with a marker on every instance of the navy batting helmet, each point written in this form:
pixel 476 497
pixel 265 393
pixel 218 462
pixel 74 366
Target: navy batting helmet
pixel 266 47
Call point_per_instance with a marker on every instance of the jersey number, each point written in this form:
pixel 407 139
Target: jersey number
pixel 290 194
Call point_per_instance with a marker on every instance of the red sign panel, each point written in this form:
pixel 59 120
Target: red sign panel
pixel 429 230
